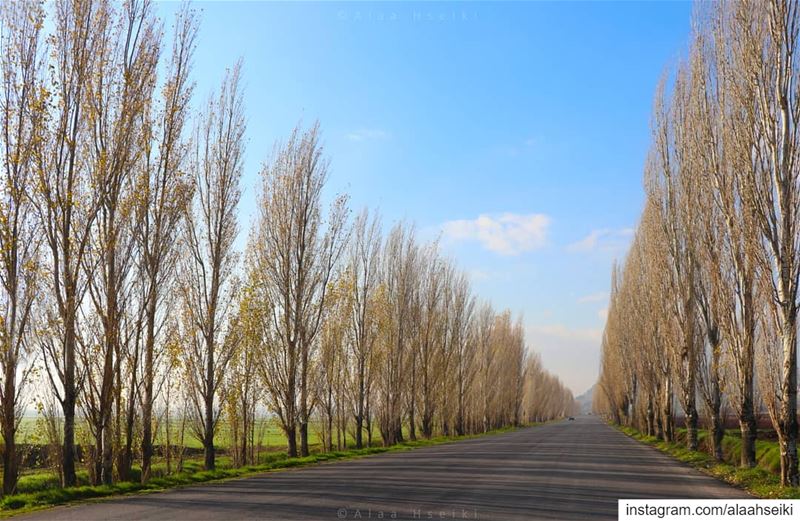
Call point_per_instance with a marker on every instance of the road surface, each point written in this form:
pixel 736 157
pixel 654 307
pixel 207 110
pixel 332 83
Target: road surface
pixel 567 470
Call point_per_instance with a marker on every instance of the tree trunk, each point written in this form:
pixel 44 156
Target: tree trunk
pixel 208 434
pixel 241 448
pixel 368 423
pixel 360 406
pixel 168 449
pixel 412 412
pixel 110 321
pixel 460 414
pixel 147 405
pixel 747 416
pixel 304 438
pixel 291 441
pixel 69 479
pixel 339 421
pixel 304 412
pixel 788 447
pixel 788 414
pixel 108 450
pixel 10 467
pixel 717 435
pixel 659 426
pixel 690 386
pixel 359 431
pixel 208 429
pixel 398 430
pixel 748 428
pixel 669 425
pixel 96 474
pixel 329 446
pixel 127 454
pixel 691 427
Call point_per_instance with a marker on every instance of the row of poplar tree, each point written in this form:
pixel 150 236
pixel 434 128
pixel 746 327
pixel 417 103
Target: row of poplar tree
pixel 124 302
pixel 705 307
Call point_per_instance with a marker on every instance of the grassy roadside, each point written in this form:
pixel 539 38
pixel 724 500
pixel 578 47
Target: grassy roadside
pixel 53 495
pixel 760 481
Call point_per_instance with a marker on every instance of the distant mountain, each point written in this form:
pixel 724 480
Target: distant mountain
pixel 585 400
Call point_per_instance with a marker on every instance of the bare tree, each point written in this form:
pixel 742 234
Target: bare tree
pixel 363 265
pixel 700 162
pixel 241 389
pixel 636 381
pixel 770 52
pixel 725 179
pixel 209 286
pixel 296 252
pixel 66 199
pixel 117 95
pixel 399 256
pixel 671 188
pixel 164 192
pixel 432 327
pixel 22 120
pixel 545 397
pixel 730 261
pixel 332 366
pixel 486 366
pixel 464 343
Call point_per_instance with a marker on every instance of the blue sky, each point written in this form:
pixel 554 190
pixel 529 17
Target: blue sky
pixel 516 130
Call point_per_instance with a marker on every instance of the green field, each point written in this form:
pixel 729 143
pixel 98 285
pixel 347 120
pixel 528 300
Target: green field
pixel 271 435
pixel 40 486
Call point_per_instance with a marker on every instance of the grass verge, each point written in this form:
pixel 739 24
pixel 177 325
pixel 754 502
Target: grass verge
pixel 760 481
pixel 54 495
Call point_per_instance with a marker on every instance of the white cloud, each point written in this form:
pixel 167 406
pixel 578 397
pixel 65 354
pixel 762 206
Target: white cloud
pixel 602 314
pixel 593 297
pixel 603 238
pixel 506 234
pixel 367 134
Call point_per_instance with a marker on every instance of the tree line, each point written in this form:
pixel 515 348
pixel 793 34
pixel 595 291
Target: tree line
pixel 126 306
pixel 703 311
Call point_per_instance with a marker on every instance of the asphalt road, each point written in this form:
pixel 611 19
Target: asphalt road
pixel 568 470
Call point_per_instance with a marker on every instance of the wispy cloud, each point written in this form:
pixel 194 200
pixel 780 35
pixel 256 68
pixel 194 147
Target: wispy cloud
pixel 506 234
pixel 593 297
pixel 367 134
pixel 603 238
pixel 589 242
pixel 602 314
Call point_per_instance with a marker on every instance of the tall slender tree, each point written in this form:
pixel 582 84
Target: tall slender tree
pixel 22 120
pixel 66 199
pixel 363 264
pixel 296 251
pixel 209 284
pixel 164 190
